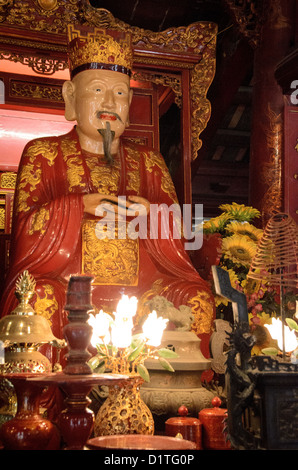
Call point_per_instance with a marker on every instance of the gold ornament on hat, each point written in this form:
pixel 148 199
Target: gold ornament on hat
pixel 98 48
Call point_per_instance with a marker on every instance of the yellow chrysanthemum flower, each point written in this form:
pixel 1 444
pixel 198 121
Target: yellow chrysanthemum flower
pixel 245 229
pixel 240 250
pixel 240 211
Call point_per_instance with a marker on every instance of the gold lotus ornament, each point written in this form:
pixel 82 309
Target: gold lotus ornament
pixel 121 352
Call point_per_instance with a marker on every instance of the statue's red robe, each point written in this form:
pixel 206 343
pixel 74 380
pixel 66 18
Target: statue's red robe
pixel 53 238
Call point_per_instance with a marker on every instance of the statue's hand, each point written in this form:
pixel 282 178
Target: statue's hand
pixel 131 206
pixel 139 205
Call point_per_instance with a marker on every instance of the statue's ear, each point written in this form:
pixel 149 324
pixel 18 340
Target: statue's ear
pixel 68 93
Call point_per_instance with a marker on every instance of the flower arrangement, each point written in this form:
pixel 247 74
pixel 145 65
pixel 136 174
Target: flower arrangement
pixel 120 351
pixel 239 241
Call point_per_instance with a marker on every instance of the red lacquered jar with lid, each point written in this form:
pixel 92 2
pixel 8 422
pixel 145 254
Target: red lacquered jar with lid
pixel 189 428
pixel 213 424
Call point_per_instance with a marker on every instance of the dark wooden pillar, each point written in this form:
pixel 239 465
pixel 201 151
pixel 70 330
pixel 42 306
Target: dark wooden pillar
pixel 265 192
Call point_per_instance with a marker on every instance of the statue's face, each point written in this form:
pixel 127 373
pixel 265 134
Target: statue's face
pixel 101 96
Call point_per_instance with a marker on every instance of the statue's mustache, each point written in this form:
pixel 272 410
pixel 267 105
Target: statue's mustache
pixel 108 114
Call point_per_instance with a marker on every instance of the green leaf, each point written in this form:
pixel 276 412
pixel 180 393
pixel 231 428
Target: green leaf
pixel 136 340
pixel 143 371
pixel 292 324
pixel 136 352
pixel 95 362
pixel 101 351
pixel 270 351
pixel 167 353
pixel 165 364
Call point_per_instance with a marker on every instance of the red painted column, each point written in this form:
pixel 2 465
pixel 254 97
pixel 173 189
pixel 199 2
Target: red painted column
pixel 266 158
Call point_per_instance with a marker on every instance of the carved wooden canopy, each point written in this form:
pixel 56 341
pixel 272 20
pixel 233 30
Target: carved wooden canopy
pixel 33 32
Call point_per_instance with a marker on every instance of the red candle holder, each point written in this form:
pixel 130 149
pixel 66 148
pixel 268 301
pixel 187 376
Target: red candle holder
pixel 78 332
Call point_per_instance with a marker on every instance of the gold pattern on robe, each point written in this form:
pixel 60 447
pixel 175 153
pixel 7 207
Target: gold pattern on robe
pixel 74 163
pixel 154 159
pixel 46 148
pixel 75 171
pixel 39 220
pixel 112 261
pixel 202 309
pixel 133 170
pixel 47 305
pixel 104 178
pixel 29 175
pixel 69 148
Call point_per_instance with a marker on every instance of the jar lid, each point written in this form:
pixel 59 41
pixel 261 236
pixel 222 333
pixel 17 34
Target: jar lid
pixel 216 410
pixel 182 419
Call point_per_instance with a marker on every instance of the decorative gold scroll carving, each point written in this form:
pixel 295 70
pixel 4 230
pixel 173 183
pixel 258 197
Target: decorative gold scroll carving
pixel 197 42
pixel 36 15
pixel 40 65
pixel 272 170
pixel 111 259
pixel 35 91
pixel 248 16
pixel 8 180
pixel 199 37
pixel 162 79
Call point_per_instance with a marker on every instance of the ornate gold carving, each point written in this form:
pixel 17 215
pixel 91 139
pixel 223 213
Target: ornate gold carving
pixel 29 176
pixel 198 37
pixel 48 5
pixel 124 411
pixel 271 171
pixel 133 175
pixel 46 148
pixel 111 261
pixel 47 305
pixel 40 65
pixel 39 221
pixel 202 309
pixel 75 169
pixel 2 218
pixel 167 80
pixel 105 178
pixel 8 180
pixel 249 16
pixel 35 14
pixel 198 40
pixel 35 91
pixel 98 46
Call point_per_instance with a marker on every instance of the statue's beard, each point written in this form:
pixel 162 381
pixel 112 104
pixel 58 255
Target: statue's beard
pixel 108 135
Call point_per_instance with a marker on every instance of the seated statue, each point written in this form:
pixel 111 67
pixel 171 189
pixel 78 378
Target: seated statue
pixel 67 184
